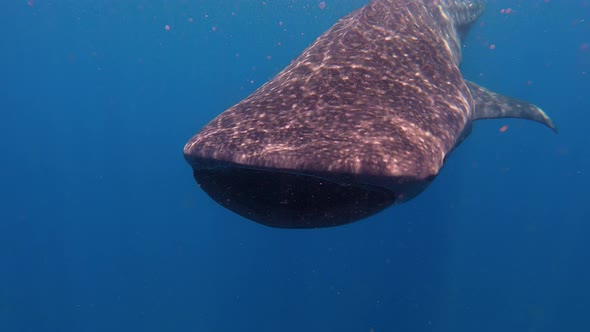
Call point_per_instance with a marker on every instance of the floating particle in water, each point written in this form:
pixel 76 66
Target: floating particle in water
pixel 322 5
pixel 214 29
pixel 167 27
pixel 492 47
pixel 503 129
pixel 191 20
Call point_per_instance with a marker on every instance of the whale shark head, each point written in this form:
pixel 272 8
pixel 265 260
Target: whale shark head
pixel 363 119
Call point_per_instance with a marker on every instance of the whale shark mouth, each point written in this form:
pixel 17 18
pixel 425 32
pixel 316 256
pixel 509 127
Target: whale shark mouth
pixel 282 199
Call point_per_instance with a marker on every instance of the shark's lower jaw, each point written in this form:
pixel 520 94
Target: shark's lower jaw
pixel 288 200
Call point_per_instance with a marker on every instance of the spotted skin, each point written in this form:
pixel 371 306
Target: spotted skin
pixel 375 104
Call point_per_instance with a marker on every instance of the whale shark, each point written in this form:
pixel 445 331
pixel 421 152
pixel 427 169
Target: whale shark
pixel 364 118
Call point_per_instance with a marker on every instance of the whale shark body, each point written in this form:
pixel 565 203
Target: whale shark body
pixel 363 119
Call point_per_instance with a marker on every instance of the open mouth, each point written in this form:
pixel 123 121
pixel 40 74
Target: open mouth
pixel 283 199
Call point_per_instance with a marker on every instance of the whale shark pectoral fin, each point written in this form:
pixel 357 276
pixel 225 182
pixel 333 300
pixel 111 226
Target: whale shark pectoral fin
pixel 490 105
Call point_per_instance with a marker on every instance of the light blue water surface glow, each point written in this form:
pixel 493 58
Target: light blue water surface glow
pixel 102 227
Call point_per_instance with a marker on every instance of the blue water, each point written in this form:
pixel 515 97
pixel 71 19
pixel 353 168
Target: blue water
pixel 102 227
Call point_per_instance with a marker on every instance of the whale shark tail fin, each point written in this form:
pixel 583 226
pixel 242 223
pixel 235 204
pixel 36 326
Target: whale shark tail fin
pixel 491 105
pixel 463 12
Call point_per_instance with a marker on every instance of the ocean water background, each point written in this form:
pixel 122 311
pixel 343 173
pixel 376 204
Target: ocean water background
pixel 102 227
